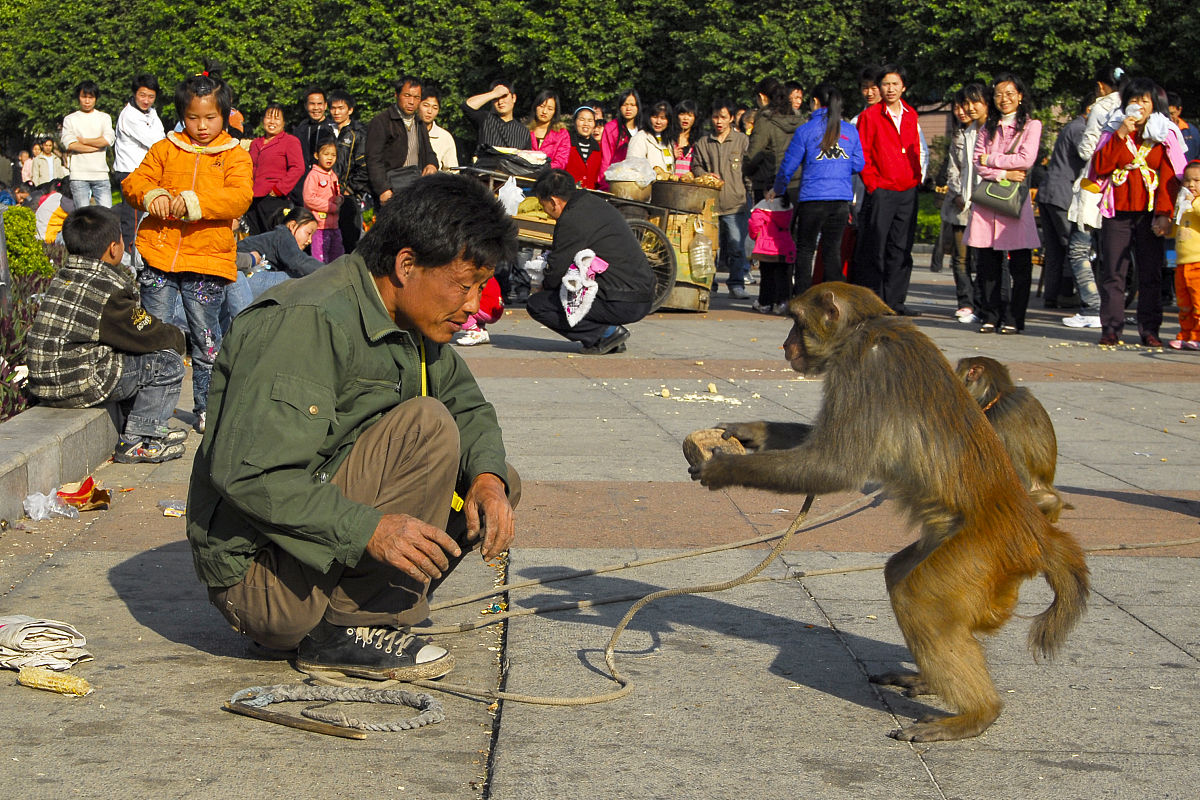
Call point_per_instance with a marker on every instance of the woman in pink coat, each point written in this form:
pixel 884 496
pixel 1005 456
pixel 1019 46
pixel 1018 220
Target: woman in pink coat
pixel 1006 149
pixel 549 134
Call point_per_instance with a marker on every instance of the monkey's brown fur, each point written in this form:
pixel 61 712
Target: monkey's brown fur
pixel 1023 426
pixel 894 412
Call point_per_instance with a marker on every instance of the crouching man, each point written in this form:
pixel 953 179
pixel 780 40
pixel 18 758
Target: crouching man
pixel 597 278
pixel 351 459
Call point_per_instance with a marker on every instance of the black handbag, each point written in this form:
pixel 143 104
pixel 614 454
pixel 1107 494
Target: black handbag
pixel 509 163
pixel 1003 197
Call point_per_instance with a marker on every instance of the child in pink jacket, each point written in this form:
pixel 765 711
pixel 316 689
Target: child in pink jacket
pixel 323 197
pixel 775 251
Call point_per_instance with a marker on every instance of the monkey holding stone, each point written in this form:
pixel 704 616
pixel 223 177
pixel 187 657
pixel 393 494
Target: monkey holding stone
pixel 1022 425
pixel 893 412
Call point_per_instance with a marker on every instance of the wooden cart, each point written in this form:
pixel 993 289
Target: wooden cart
pixel 666 252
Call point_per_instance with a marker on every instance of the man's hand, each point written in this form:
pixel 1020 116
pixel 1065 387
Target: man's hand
pixel 383 198
pixel 1161 226
pixel 429 169
pixel 487 498
pixel 416 548
pixel 160 207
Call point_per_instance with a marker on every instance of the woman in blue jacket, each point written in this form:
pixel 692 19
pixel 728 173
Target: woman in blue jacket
pixel 828 151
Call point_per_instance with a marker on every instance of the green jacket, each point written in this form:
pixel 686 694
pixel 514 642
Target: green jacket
pixel 306 369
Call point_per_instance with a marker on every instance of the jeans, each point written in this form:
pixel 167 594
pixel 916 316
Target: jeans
pixel 202 296
pixel 245 290
pixel 734 231
pixel 82 192
pixel 1079 256
pixel 153 380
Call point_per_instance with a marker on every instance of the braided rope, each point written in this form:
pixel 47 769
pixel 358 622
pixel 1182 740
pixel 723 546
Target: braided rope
pixel 430 708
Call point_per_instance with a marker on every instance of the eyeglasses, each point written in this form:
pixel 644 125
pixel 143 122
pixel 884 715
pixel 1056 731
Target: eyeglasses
pixel 1006 95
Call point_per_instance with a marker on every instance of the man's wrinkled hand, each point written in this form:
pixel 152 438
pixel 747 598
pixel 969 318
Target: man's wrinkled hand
pixel 486 505
pixel 416 548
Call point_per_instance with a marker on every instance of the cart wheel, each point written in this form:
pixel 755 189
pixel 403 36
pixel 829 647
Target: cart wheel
pixel 661 256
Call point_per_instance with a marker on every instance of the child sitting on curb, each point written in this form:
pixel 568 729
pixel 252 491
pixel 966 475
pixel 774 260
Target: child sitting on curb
pixel 92 342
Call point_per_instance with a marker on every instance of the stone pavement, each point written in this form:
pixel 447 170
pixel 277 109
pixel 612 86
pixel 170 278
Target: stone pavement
pixel 759 689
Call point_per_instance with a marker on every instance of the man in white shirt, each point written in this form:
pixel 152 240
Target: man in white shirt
pixel 444 146
pixel 86 135
pixel 138 127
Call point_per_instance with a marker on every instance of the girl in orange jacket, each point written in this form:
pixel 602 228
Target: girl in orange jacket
pixel 193 185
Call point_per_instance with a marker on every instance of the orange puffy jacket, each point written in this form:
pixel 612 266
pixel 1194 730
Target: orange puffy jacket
pixel 217 184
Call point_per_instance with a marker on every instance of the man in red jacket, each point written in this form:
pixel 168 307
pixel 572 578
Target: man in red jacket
pixel 893 151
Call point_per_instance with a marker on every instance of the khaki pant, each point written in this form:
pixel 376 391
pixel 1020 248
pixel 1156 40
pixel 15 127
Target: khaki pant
pixel 406 463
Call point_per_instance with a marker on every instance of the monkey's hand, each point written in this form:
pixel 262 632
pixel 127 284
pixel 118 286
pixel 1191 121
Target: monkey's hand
pixel 717 472
pixel 752 435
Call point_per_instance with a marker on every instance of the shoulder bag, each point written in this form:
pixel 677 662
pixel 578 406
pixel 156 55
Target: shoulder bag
pixel 1004 196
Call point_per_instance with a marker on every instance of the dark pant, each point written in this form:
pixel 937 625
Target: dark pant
pixel 962 267
pixel 1056 233
pixel 1126 239
pixel 406 463
pixel 126 213
pixel 153 381
pixel 994 308
pixel 264 213
pixel 775 286
pixel 546 308
pixel 825 219
pixel 886 238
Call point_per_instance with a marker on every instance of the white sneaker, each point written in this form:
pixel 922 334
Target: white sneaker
pixel 472 338
pixel 761 308
pixel 781 309
pixel 1081 321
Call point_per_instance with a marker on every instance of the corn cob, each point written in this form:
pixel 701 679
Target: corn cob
pixel 42 678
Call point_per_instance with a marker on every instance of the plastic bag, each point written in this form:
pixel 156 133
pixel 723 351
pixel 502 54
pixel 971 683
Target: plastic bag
pixel 511 196
pixel 637 170
pixel 43 506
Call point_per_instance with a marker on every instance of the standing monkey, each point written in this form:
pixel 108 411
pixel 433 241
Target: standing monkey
pixel 894 412
pixel 1023 426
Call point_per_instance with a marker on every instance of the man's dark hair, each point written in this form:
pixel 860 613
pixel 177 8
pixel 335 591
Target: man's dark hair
pixel 792 86
pixel 430 89
pixel 505 82
pixel 724 103
pixel 87 87
pixel 341 96
pixel 89 231
pixel 892 69
pixel 555 183
pixel 309 91
pixel 1173 99
pixel 405 80
pixel 869 75
pixel 145 80
pixel 440 218
pixel 203 86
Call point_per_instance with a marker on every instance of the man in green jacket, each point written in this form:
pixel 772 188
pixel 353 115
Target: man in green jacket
pixel 351 459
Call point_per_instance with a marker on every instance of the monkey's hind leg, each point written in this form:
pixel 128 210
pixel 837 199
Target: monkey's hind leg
pixel 953 666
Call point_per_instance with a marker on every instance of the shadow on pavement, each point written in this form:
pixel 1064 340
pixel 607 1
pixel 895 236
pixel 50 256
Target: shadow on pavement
pixel 162 592
pixel 809 654
pixel 1161 502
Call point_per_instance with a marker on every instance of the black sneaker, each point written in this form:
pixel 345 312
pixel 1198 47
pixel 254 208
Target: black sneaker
pixel 375 653
pixel 608 344
pixel 146 451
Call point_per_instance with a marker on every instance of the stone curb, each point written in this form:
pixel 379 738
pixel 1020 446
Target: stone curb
pixel 43 448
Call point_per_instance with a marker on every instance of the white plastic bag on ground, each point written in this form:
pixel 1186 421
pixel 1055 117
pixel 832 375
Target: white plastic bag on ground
pixel 43 506
pixel 511 196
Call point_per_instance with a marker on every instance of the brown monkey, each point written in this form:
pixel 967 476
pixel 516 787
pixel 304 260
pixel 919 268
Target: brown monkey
pixel 893 412
pixel 1022 425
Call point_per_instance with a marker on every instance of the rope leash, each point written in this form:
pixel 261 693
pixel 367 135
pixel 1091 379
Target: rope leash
pixel 332 687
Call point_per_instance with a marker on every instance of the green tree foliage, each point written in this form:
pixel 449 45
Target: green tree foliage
pixel 585 49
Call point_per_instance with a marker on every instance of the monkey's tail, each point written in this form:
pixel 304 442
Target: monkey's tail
pixel 1065 569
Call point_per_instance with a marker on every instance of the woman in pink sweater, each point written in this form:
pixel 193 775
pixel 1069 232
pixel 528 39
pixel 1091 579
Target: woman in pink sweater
pixel 614 142
pixel 278 167
pixel 774 249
